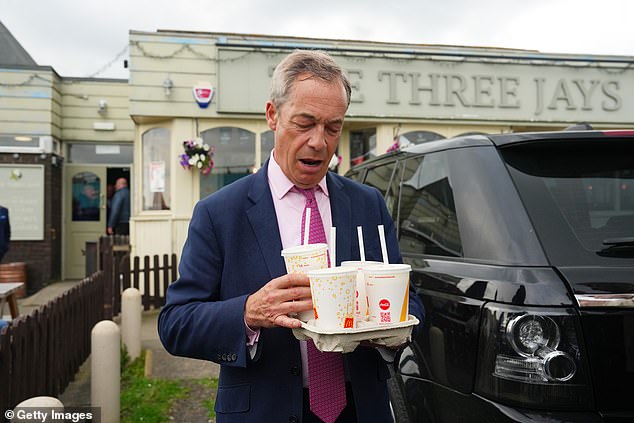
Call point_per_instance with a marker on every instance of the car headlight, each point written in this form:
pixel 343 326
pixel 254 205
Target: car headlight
pixel 531 357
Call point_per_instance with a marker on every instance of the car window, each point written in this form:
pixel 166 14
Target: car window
pixel 354 175
pixel 427 219
pixel 579 194
pixel 385 178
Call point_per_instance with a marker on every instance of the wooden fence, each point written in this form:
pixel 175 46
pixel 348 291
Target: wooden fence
pixel 40 352
pixel 151 277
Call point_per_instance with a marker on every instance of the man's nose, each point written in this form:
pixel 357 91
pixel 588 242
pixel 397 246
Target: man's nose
pixel 318 137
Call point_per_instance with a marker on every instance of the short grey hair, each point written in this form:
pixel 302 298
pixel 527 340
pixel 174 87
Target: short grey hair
pixel 313 62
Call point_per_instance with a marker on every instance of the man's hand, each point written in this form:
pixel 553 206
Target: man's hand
pixel 109 230
pixel 270 306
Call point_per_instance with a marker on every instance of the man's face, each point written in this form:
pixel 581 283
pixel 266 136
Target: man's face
pixel 307 129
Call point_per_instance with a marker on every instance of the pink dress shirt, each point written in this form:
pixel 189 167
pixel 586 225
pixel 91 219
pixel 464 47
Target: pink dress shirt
pixel 289 207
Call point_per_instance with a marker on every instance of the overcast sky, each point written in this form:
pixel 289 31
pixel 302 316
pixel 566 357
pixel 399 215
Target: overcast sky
pixel 81 37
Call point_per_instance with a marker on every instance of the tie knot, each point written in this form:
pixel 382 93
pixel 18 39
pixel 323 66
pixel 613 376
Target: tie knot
pixel 308 193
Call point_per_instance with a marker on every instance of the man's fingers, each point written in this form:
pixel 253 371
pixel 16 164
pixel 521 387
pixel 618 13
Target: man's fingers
pixel 290 280
pixel 287 322
pixel 294 294
pixel 299 306
pixel 270 305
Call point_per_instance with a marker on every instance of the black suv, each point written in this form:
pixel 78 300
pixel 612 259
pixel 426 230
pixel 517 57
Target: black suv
pixel 522 250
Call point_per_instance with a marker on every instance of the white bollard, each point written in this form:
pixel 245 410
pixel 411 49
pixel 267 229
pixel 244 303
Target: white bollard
pixel 35 409
pixel 105 370
pixel 131 321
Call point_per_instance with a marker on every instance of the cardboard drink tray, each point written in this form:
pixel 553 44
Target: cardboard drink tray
pixel 346 340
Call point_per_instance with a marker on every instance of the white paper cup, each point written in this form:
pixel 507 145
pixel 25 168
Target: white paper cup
pixel 333 292
pixel 303 258
pixel 361 298
pixel 387 287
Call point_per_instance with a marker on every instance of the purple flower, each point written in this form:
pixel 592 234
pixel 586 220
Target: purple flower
pixel 197 154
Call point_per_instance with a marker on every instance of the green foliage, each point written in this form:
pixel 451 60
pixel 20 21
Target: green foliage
pixel 144 399
pixel 150 400
pixel 125 358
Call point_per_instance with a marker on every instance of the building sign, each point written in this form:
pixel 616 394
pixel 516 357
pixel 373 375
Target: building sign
pixel 22 192
pixel 464 89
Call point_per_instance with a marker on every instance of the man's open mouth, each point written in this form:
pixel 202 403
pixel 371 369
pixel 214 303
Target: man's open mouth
pixel 310 162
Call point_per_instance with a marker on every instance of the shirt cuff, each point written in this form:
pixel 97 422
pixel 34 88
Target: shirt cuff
pixel 252 335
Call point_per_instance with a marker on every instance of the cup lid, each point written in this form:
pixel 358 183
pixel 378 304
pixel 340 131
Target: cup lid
pixel 339 270
pixel 302 249
pixel 358 264
pixel 385 269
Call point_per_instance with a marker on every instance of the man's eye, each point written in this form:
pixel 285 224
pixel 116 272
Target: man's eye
pixel 333 130
pixel 304 125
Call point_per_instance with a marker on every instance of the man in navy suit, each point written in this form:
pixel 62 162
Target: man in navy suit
pixel 232 301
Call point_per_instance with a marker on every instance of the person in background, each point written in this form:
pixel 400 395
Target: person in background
pixel 5 231
pixel 119 220
pixel 232 301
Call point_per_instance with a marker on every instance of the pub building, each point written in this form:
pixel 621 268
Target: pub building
pixel 65 140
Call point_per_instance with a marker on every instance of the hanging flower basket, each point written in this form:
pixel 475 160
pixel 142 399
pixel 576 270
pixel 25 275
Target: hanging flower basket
pixel 197 155
pixel 396 146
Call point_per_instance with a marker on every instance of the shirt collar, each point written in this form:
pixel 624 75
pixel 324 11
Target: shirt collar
pixel 281 185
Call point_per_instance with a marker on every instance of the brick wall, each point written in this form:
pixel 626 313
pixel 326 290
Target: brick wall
pixel 43 258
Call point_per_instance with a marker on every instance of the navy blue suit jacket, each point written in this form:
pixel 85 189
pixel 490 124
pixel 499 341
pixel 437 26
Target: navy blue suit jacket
pixel 232 249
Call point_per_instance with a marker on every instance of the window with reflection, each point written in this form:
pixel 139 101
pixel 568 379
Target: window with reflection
pixel 362 145
pixel 267 142
pixel 385 178
pixel 418 137
pixel 428 223
pixel 234 157
pixel 156 169
pixel 86 189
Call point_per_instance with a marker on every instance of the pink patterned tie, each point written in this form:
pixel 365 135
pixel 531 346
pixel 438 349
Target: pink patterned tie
pixel 326 384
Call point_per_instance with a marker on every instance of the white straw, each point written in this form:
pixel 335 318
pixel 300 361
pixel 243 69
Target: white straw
pixel 361 247
pixel 333 246
pixel 383 246
pixel 307 226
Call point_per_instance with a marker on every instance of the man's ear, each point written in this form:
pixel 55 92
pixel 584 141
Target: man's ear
pixel 271 115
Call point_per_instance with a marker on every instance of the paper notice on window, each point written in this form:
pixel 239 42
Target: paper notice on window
pixel 157 176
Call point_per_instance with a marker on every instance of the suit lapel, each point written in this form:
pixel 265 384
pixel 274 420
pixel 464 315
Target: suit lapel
pixel 341 217
pixel 263 221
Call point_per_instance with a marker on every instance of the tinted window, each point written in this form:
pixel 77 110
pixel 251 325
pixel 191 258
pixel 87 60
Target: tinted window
pixel 462 203
pixel 428 222
pixel 385 178
pixel 579 194
pixel 355 175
